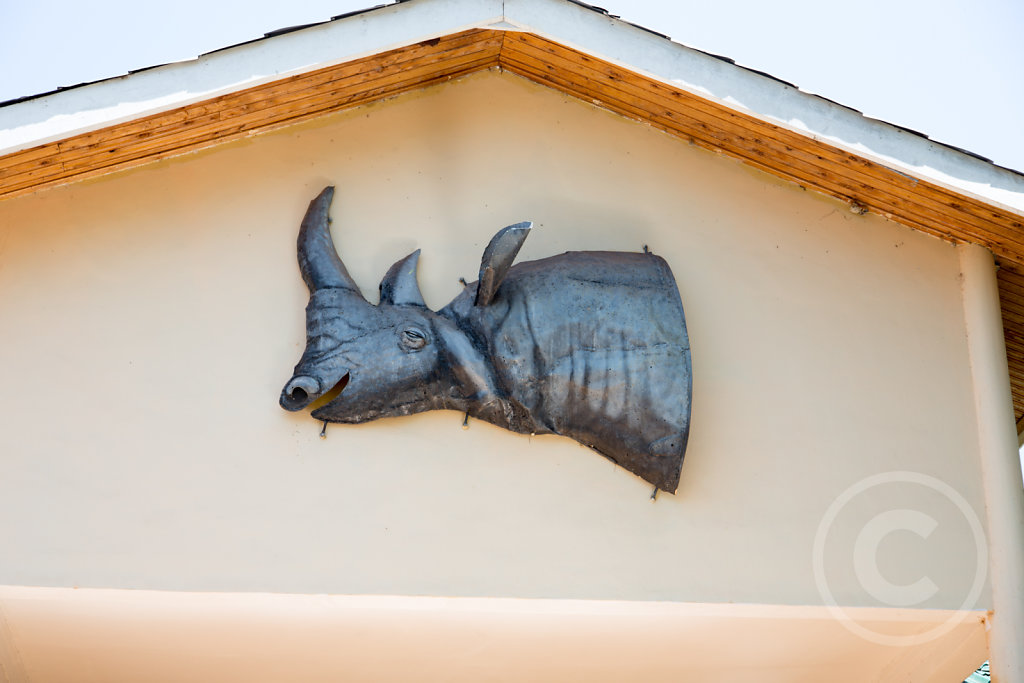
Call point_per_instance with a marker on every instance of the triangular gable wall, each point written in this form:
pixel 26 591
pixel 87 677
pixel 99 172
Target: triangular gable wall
pixel 864 183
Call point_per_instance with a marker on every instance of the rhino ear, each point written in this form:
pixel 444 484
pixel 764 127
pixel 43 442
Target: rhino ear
pixel 498 258
pixel 399 285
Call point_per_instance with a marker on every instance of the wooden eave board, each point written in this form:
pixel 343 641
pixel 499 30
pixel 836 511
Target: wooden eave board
pixel 810 163
pixel 247 112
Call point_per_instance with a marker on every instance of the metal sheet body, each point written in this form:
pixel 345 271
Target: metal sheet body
pixel 592 346
pixel 588 345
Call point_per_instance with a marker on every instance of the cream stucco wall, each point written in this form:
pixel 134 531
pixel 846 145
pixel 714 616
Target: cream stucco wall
pixel 150 318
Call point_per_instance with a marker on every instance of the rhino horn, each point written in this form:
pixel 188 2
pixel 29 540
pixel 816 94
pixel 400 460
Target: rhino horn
pixel 399 285
pixel 318 259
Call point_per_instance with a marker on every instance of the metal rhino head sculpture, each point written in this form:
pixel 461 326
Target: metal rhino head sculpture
pixel 588 345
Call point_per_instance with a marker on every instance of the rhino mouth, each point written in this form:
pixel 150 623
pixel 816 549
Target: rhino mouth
pixel 303 390
pixel 322 406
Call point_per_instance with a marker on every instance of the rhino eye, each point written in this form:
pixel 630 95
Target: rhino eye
pixel 413 339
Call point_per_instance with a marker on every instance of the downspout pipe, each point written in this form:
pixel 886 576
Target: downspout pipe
pixel 1000 463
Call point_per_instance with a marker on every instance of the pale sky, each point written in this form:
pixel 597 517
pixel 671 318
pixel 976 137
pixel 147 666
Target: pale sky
pixel 949 68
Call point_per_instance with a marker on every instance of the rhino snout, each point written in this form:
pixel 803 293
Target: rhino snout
pixel 300 392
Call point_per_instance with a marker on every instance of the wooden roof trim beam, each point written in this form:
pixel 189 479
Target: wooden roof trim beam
pixel 781 152
pixel 776 150
pixel 1010 279
pixel 246 112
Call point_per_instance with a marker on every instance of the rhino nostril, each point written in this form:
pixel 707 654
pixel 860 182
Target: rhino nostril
pixel 299 392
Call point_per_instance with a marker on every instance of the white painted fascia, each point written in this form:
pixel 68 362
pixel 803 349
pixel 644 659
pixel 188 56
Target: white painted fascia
pixel 133 96
pixel 70 112
pixel 767 99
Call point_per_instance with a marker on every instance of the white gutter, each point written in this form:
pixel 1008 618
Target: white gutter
pixel 1000 466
